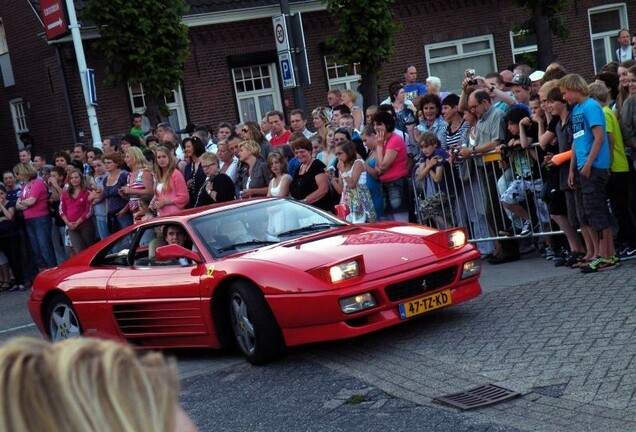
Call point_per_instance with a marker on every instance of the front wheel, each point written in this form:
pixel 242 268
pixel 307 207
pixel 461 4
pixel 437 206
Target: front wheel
pixel 62 319
pixel 255 330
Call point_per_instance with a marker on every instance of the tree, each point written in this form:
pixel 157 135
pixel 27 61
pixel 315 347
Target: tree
pixel 365 35
pixel 144 42
pixel 544 22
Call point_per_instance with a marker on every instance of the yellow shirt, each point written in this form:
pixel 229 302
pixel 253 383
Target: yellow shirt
pixel 619 160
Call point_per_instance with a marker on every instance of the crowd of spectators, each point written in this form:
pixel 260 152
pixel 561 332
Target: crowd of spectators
pixel 566 147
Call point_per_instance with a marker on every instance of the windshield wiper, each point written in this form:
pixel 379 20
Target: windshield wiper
pixel 247 243
pixel 309 228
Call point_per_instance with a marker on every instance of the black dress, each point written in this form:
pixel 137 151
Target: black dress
pixel 223 186
pixel 305 184
pixel 199 177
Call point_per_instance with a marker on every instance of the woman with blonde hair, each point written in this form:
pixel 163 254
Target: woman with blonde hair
pixel 320 119
pixel 348 98
pixel 87 384
pixel 217 187
pixel 328 153
pixel 140 181
pixel 33 201
pixel 76 211
pixel 171 191
pixel 258 177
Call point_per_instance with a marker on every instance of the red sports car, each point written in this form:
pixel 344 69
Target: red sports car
pixel 261 274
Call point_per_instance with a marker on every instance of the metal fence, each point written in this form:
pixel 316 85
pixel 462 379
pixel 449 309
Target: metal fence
pixel 471 190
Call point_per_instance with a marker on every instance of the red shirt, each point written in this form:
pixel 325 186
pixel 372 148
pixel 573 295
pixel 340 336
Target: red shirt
pixel 283 139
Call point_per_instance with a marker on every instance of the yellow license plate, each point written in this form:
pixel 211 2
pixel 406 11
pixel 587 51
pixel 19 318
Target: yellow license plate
pixel 425 304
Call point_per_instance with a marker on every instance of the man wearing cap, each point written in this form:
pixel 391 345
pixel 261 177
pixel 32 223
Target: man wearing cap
pixel 624 51
pixel 535 78
pixel 520 86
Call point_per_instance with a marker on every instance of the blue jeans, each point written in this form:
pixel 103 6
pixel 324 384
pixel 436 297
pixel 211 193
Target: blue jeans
pixel 101 222
pixel 39 231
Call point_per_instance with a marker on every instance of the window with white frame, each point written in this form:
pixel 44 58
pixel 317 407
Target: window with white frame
pixel 605 23
pixel 18 113
pixel 449 60
pixel 257 92
pixel 524 47
pixel 173 101
pixel 342 76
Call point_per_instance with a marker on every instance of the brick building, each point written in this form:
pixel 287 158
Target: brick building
pixel 232 73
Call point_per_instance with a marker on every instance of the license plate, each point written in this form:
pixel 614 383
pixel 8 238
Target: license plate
pixel 425 304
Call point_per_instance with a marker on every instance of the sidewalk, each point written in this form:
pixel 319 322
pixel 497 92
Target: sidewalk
pixel 565 340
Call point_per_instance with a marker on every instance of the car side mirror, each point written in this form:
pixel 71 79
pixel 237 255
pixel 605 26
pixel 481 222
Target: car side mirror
pixel 175 251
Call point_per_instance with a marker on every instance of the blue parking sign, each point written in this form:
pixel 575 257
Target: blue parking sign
pixel 287 70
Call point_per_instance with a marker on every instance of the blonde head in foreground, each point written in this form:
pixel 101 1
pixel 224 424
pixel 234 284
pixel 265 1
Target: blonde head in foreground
pixel 86 384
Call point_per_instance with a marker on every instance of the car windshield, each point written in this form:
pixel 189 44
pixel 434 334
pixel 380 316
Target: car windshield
pixel 260 224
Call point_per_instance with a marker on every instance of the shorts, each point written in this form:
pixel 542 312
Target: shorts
pixel 516 192
pixel 396 196
pixel 558 205
pixel 594 199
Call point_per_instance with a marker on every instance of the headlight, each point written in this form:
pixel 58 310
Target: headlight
pixel 456 239
pixel 344 271
pixel 471 268
pixel 357 303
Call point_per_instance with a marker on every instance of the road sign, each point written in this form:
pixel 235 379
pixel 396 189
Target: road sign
pixel 287 69
pixel 280 33
pixel 54 18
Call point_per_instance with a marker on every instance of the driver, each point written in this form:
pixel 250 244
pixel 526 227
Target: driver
pixel 175 234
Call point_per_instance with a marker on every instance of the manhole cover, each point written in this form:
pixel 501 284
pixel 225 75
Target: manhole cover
pixel 488 394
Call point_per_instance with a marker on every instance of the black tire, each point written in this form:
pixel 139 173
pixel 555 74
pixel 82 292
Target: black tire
pixel 62 320
pixel 255 329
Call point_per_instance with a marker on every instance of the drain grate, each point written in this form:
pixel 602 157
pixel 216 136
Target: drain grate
pixel 488 394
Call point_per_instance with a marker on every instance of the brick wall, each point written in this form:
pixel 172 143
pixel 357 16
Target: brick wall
pixel 208 89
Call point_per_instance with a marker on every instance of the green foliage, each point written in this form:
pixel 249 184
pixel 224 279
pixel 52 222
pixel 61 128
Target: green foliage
pixel 550 9
pixel 144 42
pixel 365 31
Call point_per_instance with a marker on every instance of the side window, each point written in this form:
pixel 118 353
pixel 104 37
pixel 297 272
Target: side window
pixel 117 253
pixel 154 237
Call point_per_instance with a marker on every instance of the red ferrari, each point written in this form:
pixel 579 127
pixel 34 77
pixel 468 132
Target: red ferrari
pixel 259 274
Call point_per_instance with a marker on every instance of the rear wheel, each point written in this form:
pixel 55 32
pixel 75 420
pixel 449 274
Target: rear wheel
pixel 255 330
pixel 62 319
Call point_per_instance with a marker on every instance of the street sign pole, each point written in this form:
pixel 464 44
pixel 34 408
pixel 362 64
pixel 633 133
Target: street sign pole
pixel 81 64
pixel 299 95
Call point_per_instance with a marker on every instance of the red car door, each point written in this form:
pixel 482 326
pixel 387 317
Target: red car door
pixel 154 304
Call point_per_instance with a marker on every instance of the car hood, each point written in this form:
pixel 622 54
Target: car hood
pixel 381 248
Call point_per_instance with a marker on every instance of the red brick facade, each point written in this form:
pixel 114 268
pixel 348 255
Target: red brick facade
pixel 208 89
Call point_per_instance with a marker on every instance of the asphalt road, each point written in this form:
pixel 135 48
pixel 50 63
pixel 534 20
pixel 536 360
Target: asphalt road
pixel 386 381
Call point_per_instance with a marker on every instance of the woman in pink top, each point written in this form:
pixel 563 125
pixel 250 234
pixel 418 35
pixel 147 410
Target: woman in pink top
pixel 171 192
pixel 33 202
pixel 77 212
pixel 392 167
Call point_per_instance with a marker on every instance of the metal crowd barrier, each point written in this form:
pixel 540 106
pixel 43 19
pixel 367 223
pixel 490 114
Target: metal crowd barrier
pixel 469 195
